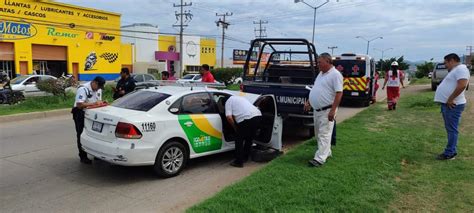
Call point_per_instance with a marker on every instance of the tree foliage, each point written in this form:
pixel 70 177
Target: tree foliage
pixel 226 75
pixel 386 64
pixel 422 70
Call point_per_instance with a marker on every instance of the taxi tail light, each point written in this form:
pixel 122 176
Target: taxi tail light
pixel 127 131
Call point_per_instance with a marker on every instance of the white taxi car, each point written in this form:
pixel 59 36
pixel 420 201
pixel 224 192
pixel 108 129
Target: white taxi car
pixel 167 125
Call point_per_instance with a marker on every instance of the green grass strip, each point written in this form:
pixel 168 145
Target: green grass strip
pixel 419 81
pixel 45 103
pixel 384 161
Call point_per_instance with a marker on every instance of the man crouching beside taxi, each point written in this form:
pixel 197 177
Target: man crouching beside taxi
pixel 87 95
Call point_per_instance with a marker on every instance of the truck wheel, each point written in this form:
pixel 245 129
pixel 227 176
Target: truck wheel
pixel 170 160
pixel 366 103
pixel 433 86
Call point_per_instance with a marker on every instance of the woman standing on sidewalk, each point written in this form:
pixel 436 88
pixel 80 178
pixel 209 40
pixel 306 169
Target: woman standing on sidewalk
pixel 394 78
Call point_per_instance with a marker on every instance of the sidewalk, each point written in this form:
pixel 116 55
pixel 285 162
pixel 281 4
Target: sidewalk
pixel 34 115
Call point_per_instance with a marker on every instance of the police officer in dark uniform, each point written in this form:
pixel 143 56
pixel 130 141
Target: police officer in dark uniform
pixel 88 94
pixel 125 85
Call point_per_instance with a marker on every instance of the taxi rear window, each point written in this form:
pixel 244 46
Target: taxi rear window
pixel 140 100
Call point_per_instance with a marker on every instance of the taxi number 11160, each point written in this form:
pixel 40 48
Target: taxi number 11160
pixel 149 127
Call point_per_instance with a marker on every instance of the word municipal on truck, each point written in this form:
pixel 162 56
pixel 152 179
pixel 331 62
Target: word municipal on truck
pixel 290 100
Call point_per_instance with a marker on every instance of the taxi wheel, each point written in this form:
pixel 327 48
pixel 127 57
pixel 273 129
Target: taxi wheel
pixel 170 160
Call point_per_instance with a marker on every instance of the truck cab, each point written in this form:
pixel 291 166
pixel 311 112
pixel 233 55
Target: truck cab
pixel 358 71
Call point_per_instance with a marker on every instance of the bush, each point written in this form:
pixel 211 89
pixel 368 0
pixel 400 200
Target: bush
pixel 422 70
pixel 226 75
pixel 56 86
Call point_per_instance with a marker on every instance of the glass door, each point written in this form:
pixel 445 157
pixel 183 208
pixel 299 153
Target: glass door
pixel 40 67
pixel 7 67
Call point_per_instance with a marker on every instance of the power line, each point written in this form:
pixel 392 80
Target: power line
pixel 298 13
pixel 34 21
pixel 224 24
pixel 109 33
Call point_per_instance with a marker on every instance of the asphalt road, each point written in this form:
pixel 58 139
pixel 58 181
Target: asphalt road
pixel 40 172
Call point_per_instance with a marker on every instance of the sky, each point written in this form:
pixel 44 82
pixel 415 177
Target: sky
pixel 418 30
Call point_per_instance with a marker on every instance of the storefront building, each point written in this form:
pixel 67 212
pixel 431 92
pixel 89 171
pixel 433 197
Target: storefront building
pixel 196 51
pixel 43 37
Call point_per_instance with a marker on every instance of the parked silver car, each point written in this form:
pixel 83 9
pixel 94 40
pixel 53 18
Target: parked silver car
pixel 439 72
pixel 27 84
pixel 142 80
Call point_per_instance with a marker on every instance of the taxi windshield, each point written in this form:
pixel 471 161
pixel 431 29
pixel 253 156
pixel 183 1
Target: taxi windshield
pixel 140 100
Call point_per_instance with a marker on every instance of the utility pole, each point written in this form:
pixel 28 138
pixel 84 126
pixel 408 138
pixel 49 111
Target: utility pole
pixel 183 23
pixel 224 27
pixel 469 49
pixel 261 30
pixel 332 49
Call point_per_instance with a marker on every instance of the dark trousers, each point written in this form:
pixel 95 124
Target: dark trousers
pixel 246 131
pixel 78 117
pixel 333 136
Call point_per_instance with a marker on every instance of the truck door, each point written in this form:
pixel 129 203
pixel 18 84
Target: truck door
pixel 270 133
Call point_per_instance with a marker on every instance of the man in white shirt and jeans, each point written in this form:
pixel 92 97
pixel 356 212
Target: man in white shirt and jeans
pixel 324 98
pixel 450 93
pixel 245 118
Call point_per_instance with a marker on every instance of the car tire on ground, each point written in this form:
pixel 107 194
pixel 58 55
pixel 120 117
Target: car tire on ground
pixel 433 86
pixel 171 159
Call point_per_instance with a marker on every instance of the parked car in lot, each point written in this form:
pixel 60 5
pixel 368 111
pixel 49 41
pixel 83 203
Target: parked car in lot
pixel 438 74
pixel 142 80
pixel 140 77
pixel 190 78
pixel 237 80
pixel 27 84
pixel 168 125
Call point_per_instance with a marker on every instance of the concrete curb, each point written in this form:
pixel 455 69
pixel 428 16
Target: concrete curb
pixel 34 115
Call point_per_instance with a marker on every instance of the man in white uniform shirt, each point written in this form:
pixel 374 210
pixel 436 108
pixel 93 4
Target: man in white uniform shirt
pixel 324 98
pixel 450 93
pixel 88 94
pixel 245 118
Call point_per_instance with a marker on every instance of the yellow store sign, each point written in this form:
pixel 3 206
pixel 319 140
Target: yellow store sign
pixel 55 38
